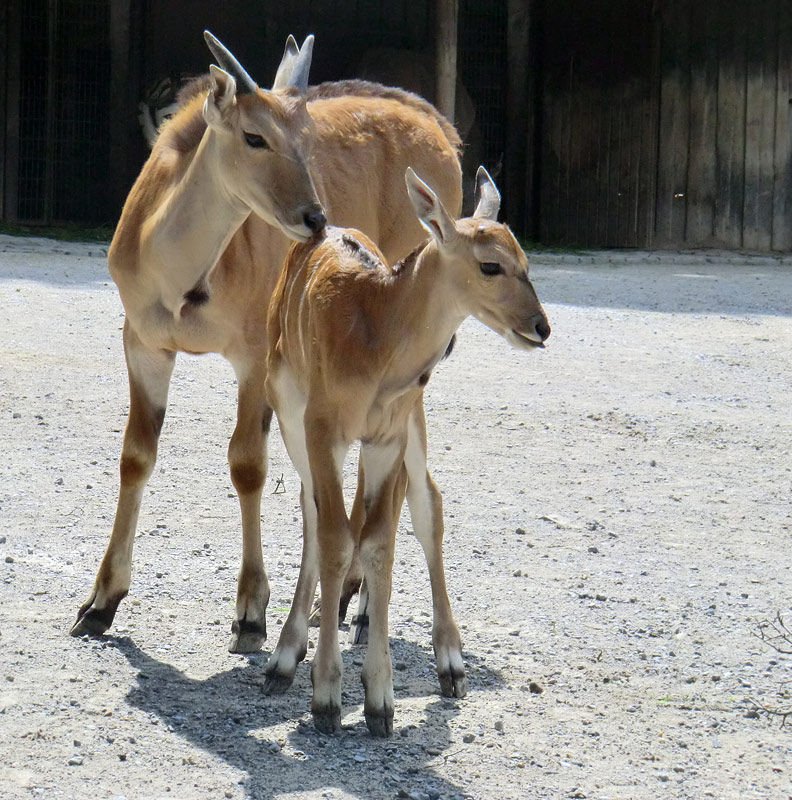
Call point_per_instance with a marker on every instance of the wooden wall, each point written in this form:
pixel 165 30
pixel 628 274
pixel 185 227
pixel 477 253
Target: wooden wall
pixel 597 123
pixel 666 124
pixel 725 142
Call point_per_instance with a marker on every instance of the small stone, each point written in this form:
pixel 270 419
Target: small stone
pixel 520 532
pixel 59 482
pixel 517 573
pixel 359 757
pixel 499 726
pixel 75 761
pixel 652 463
pixel 122 756
pixel 535 688
pixel 593 549
pixel 77 743
pixel 16 415
pixel 600 597
pixel 9 559
pixel 469 738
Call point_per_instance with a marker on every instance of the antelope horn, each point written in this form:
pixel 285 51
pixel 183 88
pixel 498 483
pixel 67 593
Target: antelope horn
pixel 290 55
pixel 299 74
pixel 245 84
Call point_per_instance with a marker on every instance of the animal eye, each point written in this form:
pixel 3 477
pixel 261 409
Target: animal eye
pixel 490 268
pixel 255 140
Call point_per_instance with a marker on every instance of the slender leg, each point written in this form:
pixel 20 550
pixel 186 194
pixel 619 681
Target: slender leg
pixel 149 377
pixel 426 511
pixel 247 457
pixel 358 632
pixel 354 576
pixel 385 481
pixel 336 542
pixel 293 640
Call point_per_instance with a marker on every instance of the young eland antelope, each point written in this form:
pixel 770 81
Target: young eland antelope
pixel 352 344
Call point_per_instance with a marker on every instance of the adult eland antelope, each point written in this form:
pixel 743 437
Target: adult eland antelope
pixel 235 174
pixel 352 343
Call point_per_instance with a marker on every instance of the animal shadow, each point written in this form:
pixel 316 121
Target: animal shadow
pixel 228 716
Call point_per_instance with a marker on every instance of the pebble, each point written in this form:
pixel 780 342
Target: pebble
pixel 75 761
pixel 468 738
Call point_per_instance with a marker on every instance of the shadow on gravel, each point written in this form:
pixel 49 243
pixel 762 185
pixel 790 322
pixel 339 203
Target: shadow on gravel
pixel 227 715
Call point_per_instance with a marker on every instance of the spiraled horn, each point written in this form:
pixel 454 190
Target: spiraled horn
pixel 245 84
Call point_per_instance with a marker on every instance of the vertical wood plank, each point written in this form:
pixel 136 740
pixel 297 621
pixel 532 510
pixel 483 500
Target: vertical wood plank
pixel 447 13
pixel 3 102
pixel 730 135
pixel 760 108
pixel 703 126
pixel 13 63
pixel 519 115
pixel 674 125
pixel 782 150
pixel 121 100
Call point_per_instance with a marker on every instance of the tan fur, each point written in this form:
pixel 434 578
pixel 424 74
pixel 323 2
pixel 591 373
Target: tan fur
pixel 173 244
pixel 352 342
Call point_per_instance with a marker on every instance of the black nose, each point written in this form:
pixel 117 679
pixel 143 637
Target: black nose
pixel 542 327
pixel 315 220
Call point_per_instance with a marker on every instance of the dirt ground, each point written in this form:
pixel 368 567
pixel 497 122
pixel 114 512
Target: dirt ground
pixel 619 517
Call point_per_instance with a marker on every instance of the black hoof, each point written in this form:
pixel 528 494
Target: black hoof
pixel 359 629
pixel 380 724
pixel 276 683
pixel 247 637
pixel 453 685
pixel 327 720
pixel 94 621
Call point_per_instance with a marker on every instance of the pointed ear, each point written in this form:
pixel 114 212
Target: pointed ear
pixel 221 97
pixel 488 197
pixel 429 209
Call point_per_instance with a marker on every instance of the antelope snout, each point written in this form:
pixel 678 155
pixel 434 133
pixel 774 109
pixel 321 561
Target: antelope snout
pixel 315 219
pixel 541 327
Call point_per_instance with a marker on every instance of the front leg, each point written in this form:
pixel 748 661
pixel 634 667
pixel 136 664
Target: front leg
pixel 426 511
pixel 247 458
pixel 385 480
pixel 336 545
pixel 149 377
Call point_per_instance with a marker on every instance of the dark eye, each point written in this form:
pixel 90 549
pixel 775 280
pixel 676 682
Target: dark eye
pixel 491 268
pixel 254 140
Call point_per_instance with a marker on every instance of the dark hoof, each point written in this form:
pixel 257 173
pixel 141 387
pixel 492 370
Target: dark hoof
pixel 247 637
pixel 358 632
pixel 276 683
pixel 380 724
pixel 327 720
pixel 453 685
pixel 94 621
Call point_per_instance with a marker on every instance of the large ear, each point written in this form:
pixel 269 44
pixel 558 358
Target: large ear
pixel 488 197
pixel 429 209
pixel 245 84
pixel 220 99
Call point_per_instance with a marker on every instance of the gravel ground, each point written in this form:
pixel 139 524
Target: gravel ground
pixel 618 520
